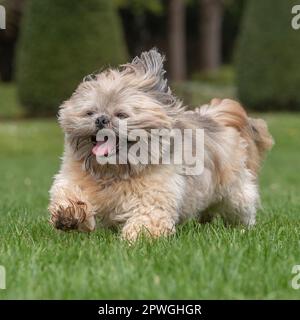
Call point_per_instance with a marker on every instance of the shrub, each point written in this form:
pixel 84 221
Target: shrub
pixel 268 68
pixel 61 42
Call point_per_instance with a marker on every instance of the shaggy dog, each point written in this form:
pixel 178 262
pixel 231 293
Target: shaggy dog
pixel 148 198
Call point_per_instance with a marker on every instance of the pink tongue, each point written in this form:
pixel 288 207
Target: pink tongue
pixel 102 148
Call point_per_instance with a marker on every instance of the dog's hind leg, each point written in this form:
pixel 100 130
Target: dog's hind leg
pixel 241 203
pixel 208 215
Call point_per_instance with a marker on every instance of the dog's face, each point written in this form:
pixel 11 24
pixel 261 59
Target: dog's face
pixel 137 94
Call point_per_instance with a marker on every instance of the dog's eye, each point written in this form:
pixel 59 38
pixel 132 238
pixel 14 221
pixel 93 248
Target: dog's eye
pixel 90 113
pixel 122 115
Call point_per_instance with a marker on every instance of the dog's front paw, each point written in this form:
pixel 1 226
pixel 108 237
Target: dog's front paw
pixel 71 216
pixel 151 228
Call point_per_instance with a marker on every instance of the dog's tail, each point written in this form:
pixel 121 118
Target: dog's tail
pixel 230 113
pixel 261 135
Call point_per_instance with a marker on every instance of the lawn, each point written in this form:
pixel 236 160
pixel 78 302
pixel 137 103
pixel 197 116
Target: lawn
pixel 199 262
pixel 10 108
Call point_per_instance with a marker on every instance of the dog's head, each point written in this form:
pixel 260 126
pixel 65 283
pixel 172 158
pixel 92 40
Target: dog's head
pixel 137 93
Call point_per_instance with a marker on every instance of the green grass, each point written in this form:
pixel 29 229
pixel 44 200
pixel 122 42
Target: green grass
pixel 195 93
pixel 205 85
pixel 199 262
pixel 9 106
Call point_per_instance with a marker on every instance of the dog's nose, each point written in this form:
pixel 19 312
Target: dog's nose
pixel 102 121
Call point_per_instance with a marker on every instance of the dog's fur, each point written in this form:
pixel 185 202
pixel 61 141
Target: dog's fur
pixel 154 198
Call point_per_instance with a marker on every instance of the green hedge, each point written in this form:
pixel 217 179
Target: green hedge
pixel 268 60
pixel 61 42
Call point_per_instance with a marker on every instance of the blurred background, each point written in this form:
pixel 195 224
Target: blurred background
pixel 244 49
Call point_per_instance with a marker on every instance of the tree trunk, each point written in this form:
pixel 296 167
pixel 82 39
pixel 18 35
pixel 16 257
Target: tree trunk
pixel 7 51
pixel 210 31
pixel 177 40
pixel 9 36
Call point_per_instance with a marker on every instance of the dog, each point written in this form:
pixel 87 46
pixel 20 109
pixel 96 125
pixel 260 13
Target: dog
pixel 152 199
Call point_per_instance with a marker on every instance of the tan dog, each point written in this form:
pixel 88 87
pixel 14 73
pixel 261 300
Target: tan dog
pixel 153 198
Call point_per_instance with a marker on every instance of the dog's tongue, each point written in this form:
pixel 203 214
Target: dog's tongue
pixel 102 148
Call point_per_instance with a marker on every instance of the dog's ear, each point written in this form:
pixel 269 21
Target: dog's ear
pixel 149 67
